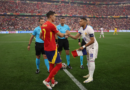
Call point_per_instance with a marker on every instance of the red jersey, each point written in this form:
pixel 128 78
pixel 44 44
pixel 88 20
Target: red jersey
pixel 48 31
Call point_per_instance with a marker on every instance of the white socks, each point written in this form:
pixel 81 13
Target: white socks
pixel 88 65
pixel 91 68
pixel 102 35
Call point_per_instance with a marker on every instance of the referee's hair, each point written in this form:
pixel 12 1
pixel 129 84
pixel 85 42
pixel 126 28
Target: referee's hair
pixel 50 13
pixel 88 19
pixel 40 19
pixel 83 18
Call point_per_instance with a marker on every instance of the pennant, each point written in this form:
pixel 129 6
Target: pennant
pixel 76 53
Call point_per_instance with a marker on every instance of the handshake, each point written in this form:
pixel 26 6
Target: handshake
pixel 67 34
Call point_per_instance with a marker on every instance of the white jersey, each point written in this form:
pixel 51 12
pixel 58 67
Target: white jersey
pixel 101 30
pixel 87 33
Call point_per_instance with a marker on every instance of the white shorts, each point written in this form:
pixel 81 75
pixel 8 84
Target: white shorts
pixel 101 33
pixel 92 53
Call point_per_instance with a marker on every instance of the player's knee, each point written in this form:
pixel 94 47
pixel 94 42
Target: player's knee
pixel 38 56
pixel 67 52
pixel 44 56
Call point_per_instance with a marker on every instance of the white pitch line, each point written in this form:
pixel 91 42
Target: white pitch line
pixel 73 78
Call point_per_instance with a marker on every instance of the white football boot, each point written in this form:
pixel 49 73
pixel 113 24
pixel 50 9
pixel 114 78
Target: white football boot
pixel 88 80
pixel 86 76
pixel 53 85
pixel 47 84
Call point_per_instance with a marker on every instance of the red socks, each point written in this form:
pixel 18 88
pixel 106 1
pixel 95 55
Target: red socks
pixel 51 67
pixel 53 71
pixel 52 80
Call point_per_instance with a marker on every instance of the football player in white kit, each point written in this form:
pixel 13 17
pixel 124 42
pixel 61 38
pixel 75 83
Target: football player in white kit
pixel 91 46
pixel 101 33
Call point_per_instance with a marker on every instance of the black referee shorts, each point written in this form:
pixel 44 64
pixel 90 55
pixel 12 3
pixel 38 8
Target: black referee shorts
pixel 39 48
pixel 63 43
pixel 83 42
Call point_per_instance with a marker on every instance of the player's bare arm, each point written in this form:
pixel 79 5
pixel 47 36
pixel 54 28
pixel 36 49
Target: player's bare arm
pixel 89 43
pixel 63 35
pixel 75 37
pixel 79 41
pixel 30 41
pixel 55 36
pixel 41 35
pixel 56 39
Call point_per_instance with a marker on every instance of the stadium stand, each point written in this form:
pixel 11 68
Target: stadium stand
pixel 71 11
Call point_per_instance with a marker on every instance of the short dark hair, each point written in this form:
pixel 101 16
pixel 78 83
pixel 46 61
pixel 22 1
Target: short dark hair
pixel 50 13
pixel 83 18
pixel 40 19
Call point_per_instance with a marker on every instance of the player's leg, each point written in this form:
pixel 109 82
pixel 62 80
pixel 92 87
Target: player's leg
pixel 91 72
pixel 114 33
pixel 52 74
pixel 38 52
pixel 60 45
pixel 81 62
pixel 53 82
pixel 88 64
pixel 37 63
pixel 91 65
pixel 100 35
pixel 46 62
pixel 66 48
pixel 81 57
pixel 103 35
pixel 53 57
pixel 45 57
pixel 67 57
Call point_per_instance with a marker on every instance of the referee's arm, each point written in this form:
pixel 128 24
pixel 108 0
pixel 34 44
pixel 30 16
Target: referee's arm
pixel 30 41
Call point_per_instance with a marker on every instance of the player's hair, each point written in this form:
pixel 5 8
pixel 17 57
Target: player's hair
pixel 83 18
pixel 40 19
pixel 50 13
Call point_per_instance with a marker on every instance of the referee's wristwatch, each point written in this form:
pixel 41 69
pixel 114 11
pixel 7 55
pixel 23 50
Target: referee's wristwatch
pixel 65 35
pixel 28 44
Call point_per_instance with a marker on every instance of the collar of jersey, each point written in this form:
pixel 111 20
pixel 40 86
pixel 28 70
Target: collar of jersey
pixel 61 25
pixel 85 28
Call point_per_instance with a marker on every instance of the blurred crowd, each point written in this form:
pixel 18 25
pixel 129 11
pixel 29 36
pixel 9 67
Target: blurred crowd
pixel 69 9
pixel 29 23
pixel 12 23
pixel 101 0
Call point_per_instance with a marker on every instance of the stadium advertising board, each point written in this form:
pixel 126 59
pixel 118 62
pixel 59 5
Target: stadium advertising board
pixel 100 31
pixel 6 32
pixel 12 31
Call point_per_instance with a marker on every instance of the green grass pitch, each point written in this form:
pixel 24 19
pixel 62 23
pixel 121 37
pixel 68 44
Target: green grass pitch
pixel 17 64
